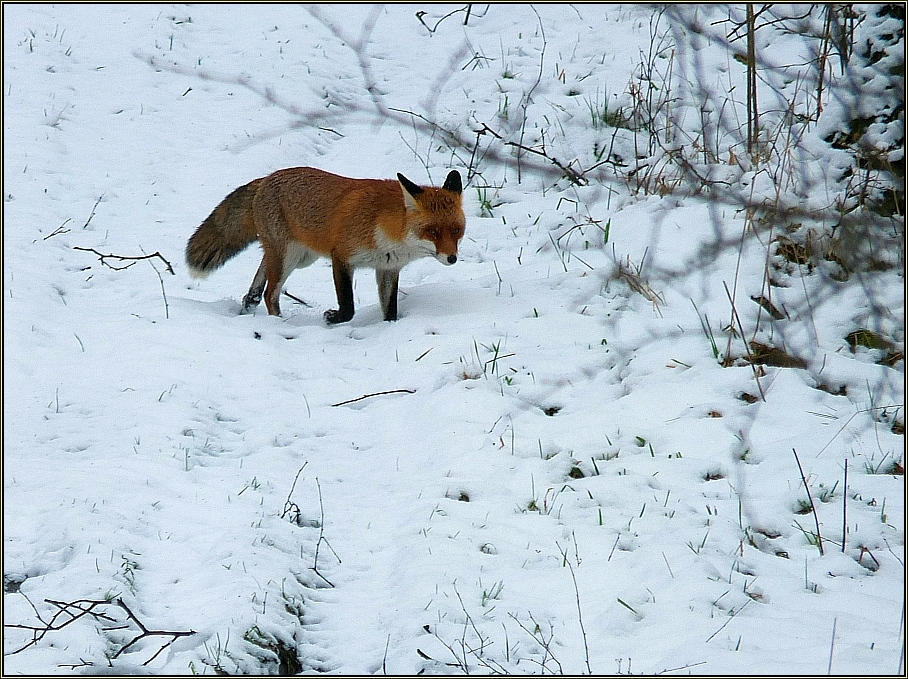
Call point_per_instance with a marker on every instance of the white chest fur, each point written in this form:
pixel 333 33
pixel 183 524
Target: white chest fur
pixel 392 254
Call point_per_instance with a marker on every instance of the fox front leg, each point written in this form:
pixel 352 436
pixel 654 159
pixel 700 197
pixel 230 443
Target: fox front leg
pixel 387 292
pixel 343 285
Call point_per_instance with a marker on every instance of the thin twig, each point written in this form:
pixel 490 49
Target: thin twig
pixel 854 415
pixel 617 537
pixel 461 662
pixel 832 646
pixel 468 621
pixel 321 536
pixel 297 300
pixel 124 258
pixel 377 393
pixel 58 230
pixel 730 618
pixel 384 660
pixel 358 45
pixel 812 507
pixel 586 646
pixel 845 507
pixel 420 14
pixel 683 667
pixel 573 176
pixel 161 279
pixel 735 316
pixel 541 640
pixel 292 506
pixel 97 202
pixel 527 99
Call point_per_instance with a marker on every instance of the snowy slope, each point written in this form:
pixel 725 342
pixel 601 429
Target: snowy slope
pixel 561 477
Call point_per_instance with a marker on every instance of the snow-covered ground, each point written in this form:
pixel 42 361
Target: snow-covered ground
pixel 550 472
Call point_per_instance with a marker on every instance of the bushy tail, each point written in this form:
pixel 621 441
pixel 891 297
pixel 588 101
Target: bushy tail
pixel 227 231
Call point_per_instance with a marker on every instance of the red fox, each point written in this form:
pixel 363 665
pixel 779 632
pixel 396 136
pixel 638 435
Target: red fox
pixel 301 213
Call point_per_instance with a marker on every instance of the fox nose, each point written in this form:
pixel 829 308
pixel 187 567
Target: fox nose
pixel 452 259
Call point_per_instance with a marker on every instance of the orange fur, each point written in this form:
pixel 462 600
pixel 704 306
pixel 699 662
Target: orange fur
pixel 301 213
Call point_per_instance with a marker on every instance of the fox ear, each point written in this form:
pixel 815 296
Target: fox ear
pixel 411 191
pixel 452 183
pixel 411 188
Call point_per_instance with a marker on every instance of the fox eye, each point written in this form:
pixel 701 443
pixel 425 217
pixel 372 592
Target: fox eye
pixel 432 232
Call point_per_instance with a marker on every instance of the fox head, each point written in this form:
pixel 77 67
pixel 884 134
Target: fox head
pixel 435 214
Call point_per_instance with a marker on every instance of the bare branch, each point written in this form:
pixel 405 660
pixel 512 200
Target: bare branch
pixel 82 607
pixel 145 632
pixel 125 258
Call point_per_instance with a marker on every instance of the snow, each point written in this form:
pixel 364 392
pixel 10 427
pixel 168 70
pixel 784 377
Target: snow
pixel 550 470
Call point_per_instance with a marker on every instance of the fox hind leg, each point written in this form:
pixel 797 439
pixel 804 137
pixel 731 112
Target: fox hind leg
pixel 277 269
pixel 254 296
pixel 275 275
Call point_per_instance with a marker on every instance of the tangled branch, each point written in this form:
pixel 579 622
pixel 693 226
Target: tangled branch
pixel 80 608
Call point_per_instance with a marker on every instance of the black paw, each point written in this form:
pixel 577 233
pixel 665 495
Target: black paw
pixel 335 316
pixel 250 304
